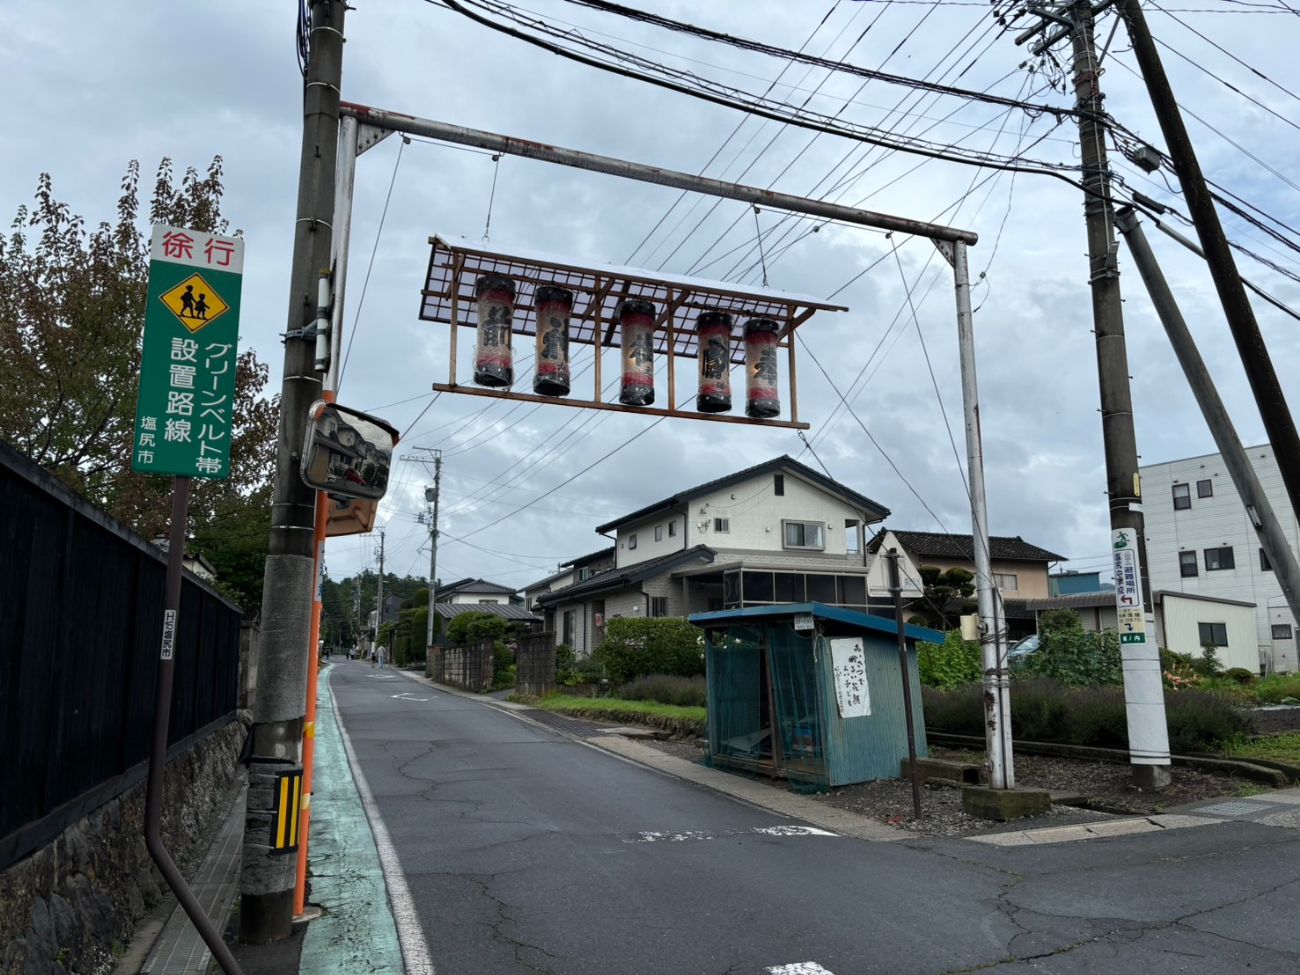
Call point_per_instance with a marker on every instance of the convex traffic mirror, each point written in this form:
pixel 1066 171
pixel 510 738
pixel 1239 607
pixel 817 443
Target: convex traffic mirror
pixel 347 454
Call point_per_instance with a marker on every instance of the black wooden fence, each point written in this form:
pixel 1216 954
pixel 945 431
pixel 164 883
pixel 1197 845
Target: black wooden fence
pixel 81 601
pixel 470 666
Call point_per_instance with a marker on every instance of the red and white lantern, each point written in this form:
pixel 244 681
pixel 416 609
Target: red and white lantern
pixel 636 318
pixel 762 395
pixel 493 356
pixel 553 306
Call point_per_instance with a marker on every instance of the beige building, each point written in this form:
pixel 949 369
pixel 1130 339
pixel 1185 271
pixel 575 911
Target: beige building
pixel 1020 570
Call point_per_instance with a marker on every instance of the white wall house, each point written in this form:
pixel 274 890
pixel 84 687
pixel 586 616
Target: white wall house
pixel 476 591
pixel 779 532
pixel 1200 542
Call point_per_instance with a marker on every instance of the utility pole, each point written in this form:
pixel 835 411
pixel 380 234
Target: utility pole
pixel 1258 509
pixel 379 596
pixel 267 879
pixel 1273 409
pixel 357 628
pixel 1143 689
pixel 896 590
pixel 431 494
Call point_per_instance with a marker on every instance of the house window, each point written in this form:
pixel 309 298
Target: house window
pixel 1219 558
pixel 802 534
pixel 1264 564
pixel 1006 581
pixel 631 541
pixel 658 605
pixel 566 630
pixel 1281 631
pixel 659 533
pixel 1187 564
pixel 1205 489
pixel 1213 634
pixel 1182 497
pixel 778 485
pixel 585 574
pixel 672 529
pixel 722 525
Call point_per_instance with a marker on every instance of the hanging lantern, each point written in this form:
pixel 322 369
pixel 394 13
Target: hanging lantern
pixel 493 358
pixel 713 337
pixel 637 327
pixel 553 306
pixel 763 398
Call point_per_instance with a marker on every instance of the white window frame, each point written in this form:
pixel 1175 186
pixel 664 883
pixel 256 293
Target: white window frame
pixel 631 541
pixel 786 524
pixel 658 603
pixel 1000 579
pixel 1185 496
pixel 722 526
pixel 659 533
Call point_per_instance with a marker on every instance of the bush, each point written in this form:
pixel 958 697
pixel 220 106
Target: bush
pixel 1277 688
pixel 565 663
pixel 504 672
pixel 666 689
pixel 1045 710
pixel 1072 656
pixel 949 664
pixel 1240 675
pixel 471 627
pixel 635 647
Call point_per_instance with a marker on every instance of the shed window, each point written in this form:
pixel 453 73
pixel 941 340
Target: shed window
pixel 659 533
pixel 1213 634
pixel 1182 497
pixel 778 485
pixel 803 534
pixel 1187 564
pixel 1219 558
pixel 1281 631
pixel 631 541
pixel 672 529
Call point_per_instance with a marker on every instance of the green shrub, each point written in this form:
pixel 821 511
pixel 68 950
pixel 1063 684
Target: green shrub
pixel 1276 688
pixel 565 662
pixel 666 689
pixel 471 627
pixel 635 647
pixel 1071 655
pixel 589 670
pixel 1240 675
pixel 949 664
pixel 1046 710
pixel 503 665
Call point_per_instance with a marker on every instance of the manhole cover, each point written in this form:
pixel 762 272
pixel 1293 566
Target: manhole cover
pixel 1235 807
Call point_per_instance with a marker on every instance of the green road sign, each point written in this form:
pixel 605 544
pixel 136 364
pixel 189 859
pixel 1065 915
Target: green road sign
pixel 184 413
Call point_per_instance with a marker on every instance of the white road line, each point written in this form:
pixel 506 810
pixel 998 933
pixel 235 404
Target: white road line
pixel 406 696
pixel 682 836
pixel 415 950
pixel 800 968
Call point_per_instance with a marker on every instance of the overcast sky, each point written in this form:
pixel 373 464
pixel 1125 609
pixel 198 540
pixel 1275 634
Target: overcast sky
pixel 93 85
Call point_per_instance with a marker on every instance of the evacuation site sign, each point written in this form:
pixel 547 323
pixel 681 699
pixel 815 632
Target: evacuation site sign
pixel 185 410
pixel 1128 587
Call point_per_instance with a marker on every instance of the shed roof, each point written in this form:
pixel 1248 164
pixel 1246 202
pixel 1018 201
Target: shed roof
pixel 879 624
pixel 507 611
pixel 871 509
pixel 949 546
pixel 589 557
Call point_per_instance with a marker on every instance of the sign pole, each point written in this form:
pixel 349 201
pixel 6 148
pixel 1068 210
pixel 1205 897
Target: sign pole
pixel 896 590
pixel 161 719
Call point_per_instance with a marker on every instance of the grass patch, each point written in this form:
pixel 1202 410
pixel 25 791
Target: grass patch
pixel 680 720
pixel 1277 748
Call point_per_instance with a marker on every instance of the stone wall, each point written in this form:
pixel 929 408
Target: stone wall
pixel 74 904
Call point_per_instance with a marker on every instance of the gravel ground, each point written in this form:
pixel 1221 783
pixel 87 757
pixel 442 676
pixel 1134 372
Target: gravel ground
pixel 1269 721
pixel 1106 786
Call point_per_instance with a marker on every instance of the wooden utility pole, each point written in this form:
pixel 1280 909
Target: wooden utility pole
pixel 267 878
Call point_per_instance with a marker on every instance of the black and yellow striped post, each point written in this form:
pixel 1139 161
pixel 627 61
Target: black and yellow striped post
pixel 288 801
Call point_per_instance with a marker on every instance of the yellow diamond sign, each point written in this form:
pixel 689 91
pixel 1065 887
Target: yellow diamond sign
pixel 195 303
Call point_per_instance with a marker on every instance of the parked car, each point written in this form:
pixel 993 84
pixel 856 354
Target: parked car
pixel 1023 649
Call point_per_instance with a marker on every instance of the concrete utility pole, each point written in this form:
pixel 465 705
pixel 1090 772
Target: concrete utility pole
pixel 1269 397
pixel 267 879
pixel 379 595
pixel 1271 536
pixel 1143 689
pixel 433 544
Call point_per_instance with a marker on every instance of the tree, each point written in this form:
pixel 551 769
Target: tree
pixel 71 319
pixel 945 597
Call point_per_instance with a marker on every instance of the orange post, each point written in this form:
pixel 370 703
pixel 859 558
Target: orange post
pixel 309 722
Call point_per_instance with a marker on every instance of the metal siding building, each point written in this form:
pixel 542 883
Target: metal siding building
pixel 1179 619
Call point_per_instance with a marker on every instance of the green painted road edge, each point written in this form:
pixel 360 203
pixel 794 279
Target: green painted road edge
pixel 357 932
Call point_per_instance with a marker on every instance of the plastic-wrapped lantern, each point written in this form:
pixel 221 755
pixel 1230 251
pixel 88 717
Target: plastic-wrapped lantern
pixel 493 357
pixel 763 398
pixel 713 335
pixel 553 306
pixel 636 319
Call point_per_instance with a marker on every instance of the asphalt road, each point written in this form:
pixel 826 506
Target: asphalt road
pixel 526 852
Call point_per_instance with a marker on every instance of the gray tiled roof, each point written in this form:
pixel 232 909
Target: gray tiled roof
pixel 940 545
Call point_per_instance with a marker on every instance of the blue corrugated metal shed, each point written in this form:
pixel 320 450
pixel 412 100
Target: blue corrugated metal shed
pixel 773 703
